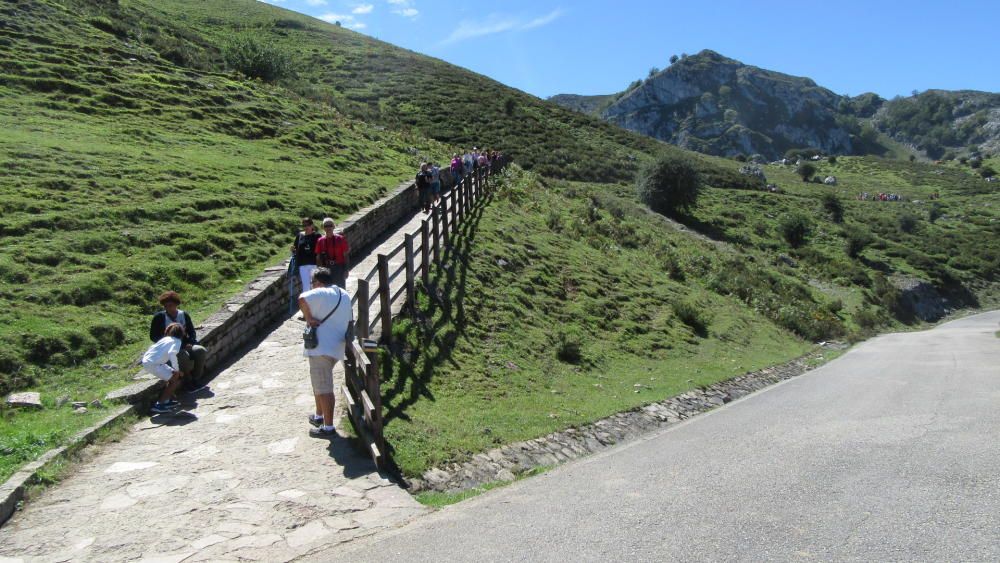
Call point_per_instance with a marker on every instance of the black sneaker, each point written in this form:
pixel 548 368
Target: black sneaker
pixel 317 422
pixel 318 432
pixel 161 408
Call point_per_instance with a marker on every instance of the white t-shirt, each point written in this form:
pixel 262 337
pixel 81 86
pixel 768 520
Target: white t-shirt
pixel 332 333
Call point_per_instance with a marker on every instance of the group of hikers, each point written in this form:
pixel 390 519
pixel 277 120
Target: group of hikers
pixel 865 196
pixel 431 177
pixel 321 262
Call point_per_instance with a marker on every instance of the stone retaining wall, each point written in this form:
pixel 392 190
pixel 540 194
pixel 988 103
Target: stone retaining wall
pixel 265 299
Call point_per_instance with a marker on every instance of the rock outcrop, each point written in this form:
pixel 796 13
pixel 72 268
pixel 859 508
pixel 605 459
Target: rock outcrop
pixel 717 105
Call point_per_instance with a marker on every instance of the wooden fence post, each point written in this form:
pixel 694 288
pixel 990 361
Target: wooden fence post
pixel 411 286
pixel 374 387
pixel 425 252
pixel 454 212
pixel 469 195
pixel 361 326
pixel 435 246
pixel 445 235
pixel 384 296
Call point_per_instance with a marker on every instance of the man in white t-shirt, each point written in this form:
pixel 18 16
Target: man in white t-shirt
pixel 327 307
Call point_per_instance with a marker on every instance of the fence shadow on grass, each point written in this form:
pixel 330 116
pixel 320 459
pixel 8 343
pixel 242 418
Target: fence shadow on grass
pixel 436 326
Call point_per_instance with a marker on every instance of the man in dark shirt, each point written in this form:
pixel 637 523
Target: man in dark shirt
pixel 192 355
pixel 424 188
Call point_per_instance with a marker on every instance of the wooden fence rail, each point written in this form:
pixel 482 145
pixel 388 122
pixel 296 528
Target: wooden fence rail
pixel 362 389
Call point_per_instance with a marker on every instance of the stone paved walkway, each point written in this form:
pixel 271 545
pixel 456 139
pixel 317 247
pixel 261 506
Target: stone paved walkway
pixel 239 480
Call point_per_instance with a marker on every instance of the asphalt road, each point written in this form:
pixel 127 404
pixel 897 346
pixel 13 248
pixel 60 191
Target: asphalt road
pixel 889 453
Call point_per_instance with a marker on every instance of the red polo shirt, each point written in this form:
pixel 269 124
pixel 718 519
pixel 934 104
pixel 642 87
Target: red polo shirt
pixel 336 248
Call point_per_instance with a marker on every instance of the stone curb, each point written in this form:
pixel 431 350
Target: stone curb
pixel 505 463
pixel 13 490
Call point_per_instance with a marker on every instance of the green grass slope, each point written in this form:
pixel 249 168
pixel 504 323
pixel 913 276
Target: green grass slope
pixel 385 84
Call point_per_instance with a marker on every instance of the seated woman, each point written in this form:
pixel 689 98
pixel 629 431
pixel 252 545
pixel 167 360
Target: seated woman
pixel 191 355
pixel 161 360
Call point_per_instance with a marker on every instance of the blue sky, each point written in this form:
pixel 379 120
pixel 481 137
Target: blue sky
pixel 548 47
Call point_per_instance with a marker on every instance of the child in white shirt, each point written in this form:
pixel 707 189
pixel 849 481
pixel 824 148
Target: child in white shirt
pixel 161 360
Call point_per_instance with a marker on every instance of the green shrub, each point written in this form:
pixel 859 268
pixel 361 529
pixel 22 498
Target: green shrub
pixel 934 212
pixel 857 239
pixel 569 346
pixel 668 184
pixel 795 228
pixel 256 57
pixel 692 315
pixel 833 206
pixel 987 172
pixel 805 171
pixel 908 222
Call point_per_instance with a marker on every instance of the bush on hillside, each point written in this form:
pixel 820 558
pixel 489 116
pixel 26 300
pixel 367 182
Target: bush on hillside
pixel 805 170
pixel 668 184
pixel 257 58
pixel 857 240
pixel 987 172
pixel 795 228
pixel 693 316
pixel 833 206
pixel 908 222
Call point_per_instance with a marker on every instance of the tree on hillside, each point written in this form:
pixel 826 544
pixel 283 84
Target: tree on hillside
pixel 806 171
pixel 668 184
pixel 795 228
pixel 674 59
pixel 256 57
pixel 653 71
pixel 833 206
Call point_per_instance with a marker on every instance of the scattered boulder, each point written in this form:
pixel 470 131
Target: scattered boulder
pixel 788 261
pixel 830 181
pixel 921 298
pixel 28 399
pixel 78 404
pixel 80 410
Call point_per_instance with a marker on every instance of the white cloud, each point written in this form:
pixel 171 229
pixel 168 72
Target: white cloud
pixel 363 9
pixel 544 20
pixel 331 17
pixel 407 12
pixel 316 2
pixel 468 29
pixel 358 25
pixel 399 2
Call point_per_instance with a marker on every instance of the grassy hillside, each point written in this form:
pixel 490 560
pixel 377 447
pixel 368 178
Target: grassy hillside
pixel 567 303
pixel 384 84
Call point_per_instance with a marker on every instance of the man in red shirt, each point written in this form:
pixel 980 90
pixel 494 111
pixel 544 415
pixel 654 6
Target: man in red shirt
pixel 333 252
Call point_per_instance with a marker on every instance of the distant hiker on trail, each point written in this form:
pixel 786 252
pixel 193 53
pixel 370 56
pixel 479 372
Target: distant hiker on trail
pixel 191 355
pixel 162 360
pixel 435 181
pixel 334 253
pixel 423 182
pixel 304 250
pixel 328 308
pixel 456 169
pixel 467 163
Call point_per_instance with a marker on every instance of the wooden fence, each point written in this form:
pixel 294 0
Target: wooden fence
pixel 375 294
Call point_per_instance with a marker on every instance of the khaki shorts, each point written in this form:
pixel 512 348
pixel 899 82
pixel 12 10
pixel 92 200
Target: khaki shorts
pixel 321 373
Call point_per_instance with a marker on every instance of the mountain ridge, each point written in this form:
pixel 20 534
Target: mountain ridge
pixel 717 105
